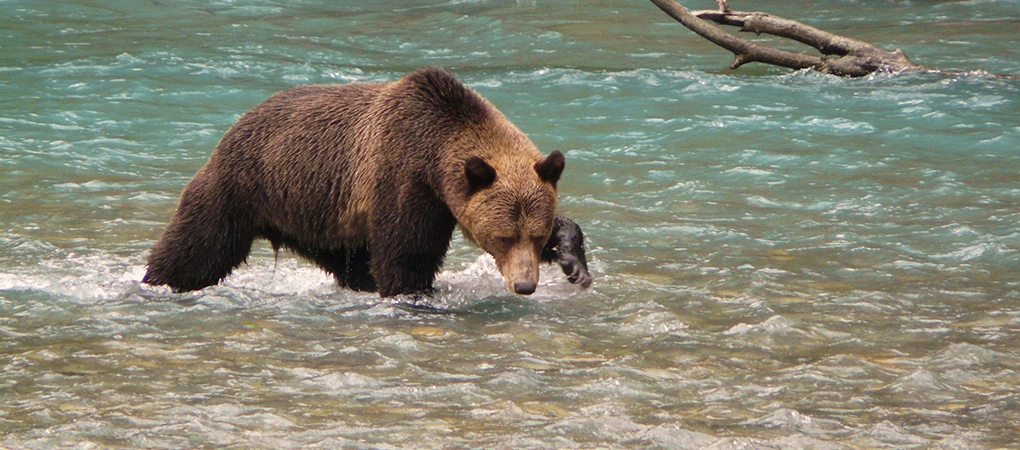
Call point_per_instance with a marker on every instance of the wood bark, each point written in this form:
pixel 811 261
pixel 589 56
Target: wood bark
pixel 839 55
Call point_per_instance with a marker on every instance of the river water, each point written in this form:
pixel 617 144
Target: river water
pixel 781 260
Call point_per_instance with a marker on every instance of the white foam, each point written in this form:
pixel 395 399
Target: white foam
pixel 104 276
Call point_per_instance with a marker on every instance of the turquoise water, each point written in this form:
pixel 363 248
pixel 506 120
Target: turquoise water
pixel 781 260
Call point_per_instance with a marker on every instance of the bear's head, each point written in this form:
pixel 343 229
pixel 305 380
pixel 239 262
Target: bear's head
pixel 509 211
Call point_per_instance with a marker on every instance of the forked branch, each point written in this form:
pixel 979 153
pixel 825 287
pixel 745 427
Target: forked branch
pixel 852 57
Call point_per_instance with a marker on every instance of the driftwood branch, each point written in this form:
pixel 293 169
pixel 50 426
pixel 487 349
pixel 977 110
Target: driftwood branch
pixel 839 55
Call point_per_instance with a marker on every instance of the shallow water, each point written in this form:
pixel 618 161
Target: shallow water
pixel 781 260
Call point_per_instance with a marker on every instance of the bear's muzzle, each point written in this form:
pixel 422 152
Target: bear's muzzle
pixel 525 287
pixel 520 269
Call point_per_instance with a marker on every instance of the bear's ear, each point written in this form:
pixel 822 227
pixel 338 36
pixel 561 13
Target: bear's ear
pixel 479 173
pixel 550 167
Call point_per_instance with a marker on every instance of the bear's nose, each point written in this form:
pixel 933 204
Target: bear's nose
pixel 525 287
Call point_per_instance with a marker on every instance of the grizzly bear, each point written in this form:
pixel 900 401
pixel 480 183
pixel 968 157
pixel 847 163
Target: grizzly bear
pixel 369 181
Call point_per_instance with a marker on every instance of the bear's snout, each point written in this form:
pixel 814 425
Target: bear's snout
pixel 525 287
pixel 519 267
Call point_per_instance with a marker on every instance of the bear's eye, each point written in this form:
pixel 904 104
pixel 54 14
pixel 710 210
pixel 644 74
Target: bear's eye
pixel 506 241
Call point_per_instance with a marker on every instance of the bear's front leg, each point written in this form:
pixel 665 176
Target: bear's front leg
pixel 566 246
pixel 409 241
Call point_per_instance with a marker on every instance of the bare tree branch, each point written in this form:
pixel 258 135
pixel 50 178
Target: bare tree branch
pixel 855 58
pixel 743 51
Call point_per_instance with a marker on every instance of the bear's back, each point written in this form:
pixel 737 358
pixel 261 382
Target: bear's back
pixel 299 159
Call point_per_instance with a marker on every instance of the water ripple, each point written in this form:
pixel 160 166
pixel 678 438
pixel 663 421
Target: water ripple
pixel 781 260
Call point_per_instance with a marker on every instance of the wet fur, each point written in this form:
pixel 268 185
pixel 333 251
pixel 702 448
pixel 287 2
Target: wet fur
pixel 366 180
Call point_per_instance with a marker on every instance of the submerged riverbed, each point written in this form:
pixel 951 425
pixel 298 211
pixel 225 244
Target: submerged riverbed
pixel 781 260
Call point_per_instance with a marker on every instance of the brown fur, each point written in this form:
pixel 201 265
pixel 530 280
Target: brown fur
pixel 368 180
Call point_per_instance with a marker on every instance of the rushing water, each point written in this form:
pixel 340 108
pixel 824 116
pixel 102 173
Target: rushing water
pixel 781 260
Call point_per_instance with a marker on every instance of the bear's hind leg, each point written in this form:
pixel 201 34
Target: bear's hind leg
pixel 200 247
